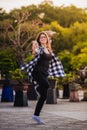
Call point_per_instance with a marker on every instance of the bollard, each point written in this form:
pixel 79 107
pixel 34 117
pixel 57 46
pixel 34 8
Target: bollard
pixel 51 96
pixel 7 94
pixel 74 96
pixel 18 98
pixel 66 92
pixel 85 96
pixel 25 100
pixel 7 91
pixel 32 93
pixel 51 93
pixel 21 95
pixel 21 98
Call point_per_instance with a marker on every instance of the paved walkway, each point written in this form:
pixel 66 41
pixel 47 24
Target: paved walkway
pixel 64 115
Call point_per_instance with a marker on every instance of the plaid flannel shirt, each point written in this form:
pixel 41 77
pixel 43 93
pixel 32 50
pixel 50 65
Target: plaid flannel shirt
pixel 55 66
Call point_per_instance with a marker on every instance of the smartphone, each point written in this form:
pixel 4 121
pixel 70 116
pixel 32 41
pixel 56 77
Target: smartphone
pixel 34 46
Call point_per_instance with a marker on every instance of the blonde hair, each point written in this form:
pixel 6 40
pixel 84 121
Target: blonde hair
pixel 48 40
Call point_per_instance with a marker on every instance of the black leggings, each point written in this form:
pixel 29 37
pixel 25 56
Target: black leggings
pixel 42 80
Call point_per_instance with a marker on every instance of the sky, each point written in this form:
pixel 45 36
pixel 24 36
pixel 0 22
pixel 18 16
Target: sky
pixel 11 4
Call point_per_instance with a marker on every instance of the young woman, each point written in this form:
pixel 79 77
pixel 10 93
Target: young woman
pixel 43 65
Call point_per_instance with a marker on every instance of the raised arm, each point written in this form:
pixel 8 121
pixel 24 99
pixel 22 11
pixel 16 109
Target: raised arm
pixel 35 47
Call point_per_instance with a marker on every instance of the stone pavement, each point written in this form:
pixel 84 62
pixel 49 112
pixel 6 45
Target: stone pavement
pixel 64 115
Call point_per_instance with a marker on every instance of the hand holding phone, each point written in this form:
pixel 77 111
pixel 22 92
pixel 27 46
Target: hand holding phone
pixel 34 47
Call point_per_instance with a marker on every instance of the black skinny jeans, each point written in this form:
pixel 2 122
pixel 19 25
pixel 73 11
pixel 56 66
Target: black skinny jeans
pixel 42 80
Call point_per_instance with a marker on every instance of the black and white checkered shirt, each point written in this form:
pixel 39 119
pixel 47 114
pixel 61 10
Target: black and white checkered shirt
pixel 55 66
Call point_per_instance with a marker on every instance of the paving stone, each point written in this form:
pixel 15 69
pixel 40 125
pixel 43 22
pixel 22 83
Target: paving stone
pixel 54 116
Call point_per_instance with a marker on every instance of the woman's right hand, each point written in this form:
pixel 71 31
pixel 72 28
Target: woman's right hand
pixel 34 47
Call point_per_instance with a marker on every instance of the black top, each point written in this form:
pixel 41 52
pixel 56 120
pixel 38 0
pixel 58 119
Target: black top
pixel 43 63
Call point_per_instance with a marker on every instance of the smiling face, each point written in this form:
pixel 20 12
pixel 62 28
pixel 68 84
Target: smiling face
pixel 43 39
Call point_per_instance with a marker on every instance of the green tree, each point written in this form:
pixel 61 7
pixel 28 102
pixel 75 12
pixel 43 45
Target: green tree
pixel 77 48
pixel 22 33
pixel 79 32
pixel 65 56
pixel 79 60
pixel 7 61
pixel 65 16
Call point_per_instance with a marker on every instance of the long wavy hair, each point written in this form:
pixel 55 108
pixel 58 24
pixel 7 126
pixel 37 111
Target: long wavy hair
pixel 48 41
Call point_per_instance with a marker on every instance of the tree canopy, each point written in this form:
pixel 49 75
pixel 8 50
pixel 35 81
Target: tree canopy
pixel 20 26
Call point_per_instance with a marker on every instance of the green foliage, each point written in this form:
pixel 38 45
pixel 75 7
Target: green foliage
pixel 69 42
pixel 16 74
pixel 7 61
pixel 68 78
pixel 77 48
pixel 65 57
pixel 29 58
pixel 79 32
pixel 79 60
pixel 20 76
pixel 65 16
